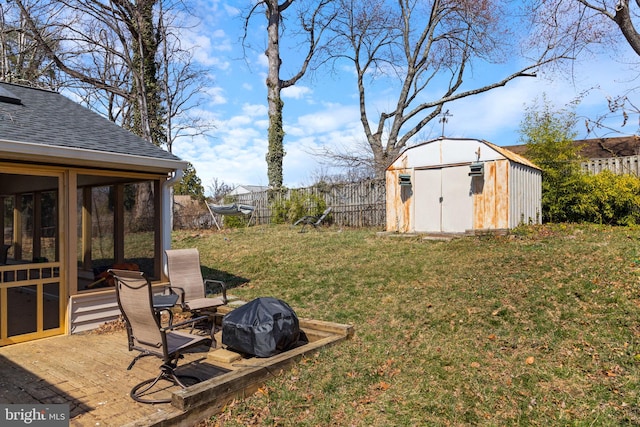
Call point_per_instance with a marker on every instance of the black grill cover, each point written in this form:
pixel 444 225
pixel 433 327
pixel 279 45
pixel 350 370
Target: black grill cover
pixel 262 327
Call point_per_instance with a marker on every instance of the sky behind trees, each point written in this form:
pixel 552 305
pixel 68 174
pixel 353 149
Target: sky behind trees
pixel 322 109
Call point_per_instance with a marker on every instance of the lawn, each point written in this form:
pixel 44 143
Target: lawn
pixel 541 327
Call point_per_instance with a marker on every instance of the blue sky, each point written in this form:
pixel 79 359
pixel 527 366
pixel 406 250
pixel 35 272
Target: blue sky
pixel 322 110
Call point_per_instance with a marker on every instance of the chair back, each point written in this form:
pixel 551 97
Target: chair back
pixel 133 291
pixel 324 215
pixel 183 266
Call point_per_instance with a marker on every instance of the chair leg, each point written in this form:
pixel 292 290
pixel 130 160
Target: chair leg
pixel 212 330
pixel 167 373
pixel 214 342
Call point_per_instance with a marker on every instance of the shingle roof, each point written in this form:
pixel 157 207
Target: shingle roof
pixel 50 119
pixel 599 148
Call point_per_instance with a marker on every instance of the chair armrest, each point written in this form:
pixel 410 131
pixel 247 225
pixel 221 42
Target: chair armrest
pixel 186 322
pixel 220 283
pixel 304 219
pixel 168 290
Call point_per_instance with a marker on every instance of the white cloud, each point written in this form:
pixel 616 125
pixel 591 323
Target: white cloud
pixel 215 95
pixel 254 110
pixel 296 92
pixel 333 116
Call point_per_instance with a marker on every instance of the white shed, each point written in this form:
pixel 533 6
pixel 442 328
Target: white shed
pixel 460 186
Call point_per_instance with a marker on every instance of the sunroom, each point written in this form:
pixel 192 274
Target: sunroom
pixel 78 194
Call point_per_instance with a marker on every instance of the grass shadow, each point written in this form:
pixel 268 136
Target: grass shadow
pixel 230 279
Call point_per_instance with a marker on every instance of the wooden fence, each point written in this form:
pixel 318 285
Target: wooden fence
pixel 360 204
pixel 617 165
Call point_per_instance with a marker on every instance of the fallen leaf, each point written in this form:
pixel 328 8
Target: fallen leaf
pixel 492 337
pixel 383 386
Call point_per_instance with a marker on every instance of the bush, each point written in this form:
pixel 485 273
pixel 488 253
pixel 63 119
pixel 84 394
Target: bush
pixel 613 199
pixel 296 206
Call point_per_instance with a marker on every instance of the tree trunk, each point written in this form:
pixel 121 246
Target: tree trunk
pixel 275 153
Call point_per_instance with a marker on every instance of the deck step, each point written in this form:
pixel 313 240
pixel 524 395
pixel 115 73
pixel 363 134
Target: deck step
pixel 223 355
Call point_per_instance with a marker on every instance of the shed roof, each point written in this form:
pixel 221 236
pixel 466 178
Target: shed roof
pixel 37 124
pixel 468 147
pixel 514 157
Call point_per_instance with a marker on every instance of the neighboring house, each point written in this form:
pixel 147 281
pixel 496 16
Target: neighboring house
pixel 620 155
pixel 247 189
pixel 599 148
pixel 461 185
pixel 79 194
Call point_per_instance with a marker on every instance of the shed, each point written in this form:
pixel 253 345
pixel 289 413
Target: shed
pixel 452 185
pixel 78 194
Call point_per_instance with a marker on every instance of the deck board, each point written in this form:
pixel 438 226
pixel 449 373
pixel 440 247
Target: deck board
pixel 88 372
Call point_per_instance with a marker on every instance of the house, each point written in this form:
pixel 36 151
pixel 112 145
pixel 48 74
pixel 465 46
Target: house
pixel 247 189
pixel 620 155
pixel 598 148
pixel 79 194
pixel 459 186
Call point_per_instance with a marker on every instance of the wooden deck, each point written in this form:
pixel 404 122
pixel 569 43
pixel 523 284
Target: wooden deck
pixel 88 372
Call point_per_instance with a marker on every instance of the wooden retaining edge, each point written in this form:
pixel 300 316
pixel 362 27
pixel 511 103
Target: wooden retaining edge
pixel 209 397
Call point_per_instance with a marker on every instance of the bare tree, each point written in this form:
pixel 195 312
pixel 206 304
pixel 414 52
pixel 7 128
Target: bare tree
pixel 313 18
pixel 22 60
pixel 111 46
pixel 218 189
pixel 124 59
pixel 597 26
pixel 182 84
pixel 623 13
pixel 425 51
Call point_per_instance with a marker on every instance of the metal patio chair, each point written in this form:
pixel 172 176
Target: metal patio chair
pixel 195 292
pixel 312 220
pixel 146 335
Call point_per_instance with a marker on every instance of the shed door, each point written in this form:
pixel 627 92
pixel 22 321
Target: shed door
pixel 443 200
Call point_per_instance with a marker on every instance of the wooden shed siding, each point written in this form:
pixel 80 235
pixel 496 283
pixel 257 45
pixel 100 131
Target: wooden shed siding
pixel 399 205
pixel 491 202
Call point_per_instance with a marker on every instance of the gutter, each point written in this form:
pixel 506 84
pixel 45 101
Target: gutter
pixel 69 156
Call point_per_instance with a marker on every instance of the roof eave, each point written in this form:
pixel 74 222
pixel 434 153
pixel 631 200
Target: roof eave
pixel 24 151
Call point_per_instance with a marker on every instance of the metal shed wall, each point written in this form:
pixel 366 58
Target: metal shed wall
pixel 525 195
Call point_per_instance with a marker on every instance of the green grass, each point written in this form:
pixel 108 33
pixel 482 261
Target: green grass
pixel 541 327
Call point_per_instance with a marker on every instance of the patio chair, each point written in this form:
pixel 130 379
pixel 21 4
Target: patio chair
pixel 146 335
pixel 312 220
pixel 195 293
